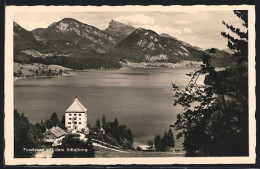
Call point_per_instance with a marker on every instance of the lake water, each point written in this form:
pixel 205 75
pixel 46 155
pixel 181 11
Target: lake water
pixel 140 98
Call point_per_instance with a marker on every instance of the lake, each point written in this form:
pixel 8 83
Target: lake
pixel 140 98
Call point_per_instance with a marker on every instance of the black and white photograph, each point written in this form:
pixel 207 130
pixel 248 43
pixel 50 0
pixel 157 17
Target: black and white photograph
pixel 130 84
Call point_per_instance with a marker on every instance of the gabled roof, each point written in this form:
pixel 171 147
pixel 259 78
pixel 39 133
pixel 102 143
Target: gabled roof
pixel 57 131
pixel 76 107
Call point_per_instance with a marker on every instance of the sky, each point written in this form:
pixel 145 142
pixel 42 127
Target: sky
pixel 198 28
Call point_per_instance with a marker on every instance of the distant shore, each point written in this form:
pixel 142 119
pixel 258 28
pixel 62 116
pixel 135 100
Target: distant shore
pixel 182 64
pixel 28 70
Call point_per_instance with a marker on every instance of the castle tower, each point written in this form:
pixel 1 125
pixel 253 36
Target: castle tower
pixel 76 117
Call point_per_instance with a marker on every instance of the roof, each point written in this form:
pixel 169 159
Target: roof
pixel 76 107
pixel 57 131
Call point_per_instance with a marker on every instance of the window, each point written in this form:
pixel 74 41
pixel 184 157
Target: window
pixel 79 118
pixel 69 122
pixel 79 114
pixel 79 122
pixel 75 114
pixel 75 118
pixel 69 118
pixel 69 114
pixel 75 122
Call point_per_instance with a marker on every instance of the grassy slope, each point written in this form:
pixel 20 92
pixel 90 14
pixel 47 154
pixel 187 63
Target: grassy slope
pixel 25 67
pixel 102 152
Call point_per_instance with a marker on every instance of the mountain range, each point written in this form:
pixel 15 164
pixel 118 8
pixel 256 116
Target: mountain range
pixel 73 41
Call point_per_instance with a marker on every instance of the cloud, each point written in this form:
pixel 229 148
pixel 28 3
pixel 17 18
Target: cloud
pixel 182 22
pixel 139 19
pixel 170 30
pixel 187 30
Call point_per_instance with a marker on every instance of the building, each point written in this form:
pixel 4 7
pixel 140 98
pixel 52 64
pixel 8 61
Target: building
pixel 50 135
pixel 76 117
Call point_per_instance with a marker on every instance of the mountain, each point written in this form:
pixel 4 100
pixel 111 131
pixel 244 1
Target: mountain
pixel 220 57
pixel 77 33
pixel 147 45
pixel 24 39
pixel 184 43
pixel 228 50
pixel 77 45
pixel 119 30
pixel 51 46
pixel 165 35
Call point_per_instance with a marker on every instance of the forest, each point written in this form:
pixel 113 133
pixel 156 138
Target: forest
pixel 214 121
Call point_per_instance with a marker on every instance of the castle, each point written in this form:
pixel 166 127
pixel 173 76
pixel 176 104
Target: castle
pixel 76 117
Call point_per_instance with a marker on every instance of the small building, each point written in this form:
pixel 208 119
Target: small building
pixel 50 135
pixel 76 117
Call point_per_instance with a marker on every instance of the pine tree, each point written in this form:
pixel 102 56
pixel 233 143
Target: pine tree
pixel 103 120
pixel 164 143
pixel 53 121
pixel 217 126
pixel 170 139
pixel 158 143
pixel 98 123
pixel 62 125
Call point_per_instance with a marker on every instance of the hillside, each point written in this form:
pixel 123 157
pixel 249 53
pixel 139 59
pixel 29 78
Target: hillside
pixel 119 30
pixel 102 152
pixel 78 33
pixel 220 57
pixel 147 45
pixel 24 39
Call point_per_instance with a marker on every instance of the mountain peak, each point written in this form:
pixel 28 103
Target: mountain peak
pixel 145 32
pixel 119 30
pixel 69 20
pixel 17 27
pixel 116 24
pixel 65 23
pixel 15 24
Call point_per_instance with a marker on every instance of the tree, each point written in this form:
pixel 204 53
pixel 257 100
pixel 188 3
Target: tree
pixel 26 136
pixel 103 120
pixel 115 122
pixel 170 139
pixel 164 144
pixel 53 121
pixel 86 148
pixel 150 145
pixel 158 143
pixel 211 124
pixel 62 124
pixel 98 123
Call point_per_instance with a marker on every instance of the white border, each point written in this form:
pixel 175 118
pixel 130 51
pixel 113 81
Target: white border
pixel 9 105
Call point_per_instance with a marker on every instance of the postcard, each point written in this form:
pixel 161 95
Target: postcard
pixel 87 85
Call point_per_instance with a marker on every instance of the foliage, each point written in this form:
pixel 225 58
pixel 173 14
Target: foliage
pixel 150 145
pixel 158 143
pixel 162 144
pixel 77 63
pixel 53 121
pixel 215 117
pixel 114 133
pixel 79 148
pixel 26 136
pixel 62 124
